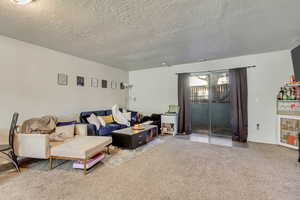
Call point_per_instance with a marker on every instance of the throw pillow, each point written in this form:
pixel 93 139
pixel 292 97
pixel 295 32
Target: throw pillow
pixel 102 122
pixel 108 119
pixel 94 120
pixel 62 133
pixel 127 115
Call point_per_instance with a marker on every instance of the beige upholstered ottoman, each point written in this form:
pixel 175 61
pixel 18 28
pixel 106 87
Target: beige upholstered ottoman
pixel 80 148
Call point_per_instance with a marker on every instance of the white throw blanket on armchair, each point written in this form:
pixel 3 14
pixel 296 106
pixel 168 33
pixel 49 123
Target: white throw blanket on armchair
pixel 118 116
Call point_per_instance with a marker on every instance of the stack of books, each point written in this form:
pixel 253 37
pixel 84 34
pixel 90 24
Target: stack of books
pixel 90 163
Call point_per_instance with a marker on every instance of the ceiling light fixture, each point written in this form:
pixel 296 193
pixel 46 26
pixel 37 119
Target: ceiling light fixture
pixel 164 64
pixel 21 2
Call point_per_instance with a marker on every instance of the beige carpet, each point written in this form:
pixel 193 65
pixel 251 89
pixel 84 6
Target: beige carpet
pixel 173 169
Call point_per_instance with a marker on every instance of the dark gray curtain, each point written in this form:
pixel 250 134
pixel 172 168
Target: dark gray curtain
pixel 184 90
pixel 239 104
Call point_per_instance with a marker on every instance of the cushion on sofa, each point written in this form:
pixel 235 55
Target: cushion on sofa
pixel 108 119
pixel 104 131
pixel 85 115
pixel 102 122
pixel 127 115
pixel 94 120
pixel 109 128
pixel 62 133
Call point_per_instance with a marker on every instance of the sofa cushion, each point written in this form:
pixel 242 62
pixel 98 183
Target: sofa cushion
pixel 117 126
pixel 102 122
pixel 94 120
pixel 123 126
pixel 85 115
pixel 113 126
pixel 62 133
pixel 109 128
pixel 105 131
pixel 127 115
pixel 108 119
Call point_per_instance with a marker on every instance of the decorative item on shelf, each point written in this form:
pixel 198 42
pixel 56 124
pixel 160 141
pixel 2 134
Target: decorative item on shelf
pixel 137 127
pixel 62 79
pixel 94 82
pixel 104 83
pixel 290 91
pixel 80 81
pixel 292 80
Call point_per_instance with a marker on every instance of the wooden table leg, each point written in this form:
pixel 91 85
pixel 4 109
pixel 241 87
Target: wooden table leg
pixel 50 163
pixel 107 149
pixel 85 171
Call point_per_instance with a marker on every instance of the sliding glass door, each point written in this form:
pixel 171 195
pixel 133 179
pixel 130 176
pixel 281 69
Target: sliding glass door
pixel 210 104
pixel 220 104
pixel 200 121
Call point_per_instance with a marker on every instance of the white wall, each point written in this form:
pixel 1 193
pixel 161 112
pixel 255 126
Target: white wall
pixel 154 89
pixel 28 83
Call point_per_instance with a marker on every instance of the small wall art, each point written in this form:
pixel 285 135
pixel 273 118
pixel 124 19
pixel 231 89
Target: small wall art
pixel 114 84
pixel 104 83
pixel 94 82
pixel 122 86
pixel 80 81
pixel 62 79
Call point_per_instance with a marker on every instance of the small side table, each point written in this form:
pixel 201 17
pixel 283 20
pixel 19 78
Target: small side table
pixel 169 124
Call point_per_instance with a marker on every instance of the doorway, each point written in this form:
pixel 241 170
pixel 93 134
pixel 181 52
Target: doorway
pixel 210 104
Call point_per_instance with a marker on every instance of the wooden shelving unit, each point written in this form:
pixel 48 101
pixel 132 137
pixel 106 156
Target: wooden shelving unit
pixel 288 131
pixel 288 112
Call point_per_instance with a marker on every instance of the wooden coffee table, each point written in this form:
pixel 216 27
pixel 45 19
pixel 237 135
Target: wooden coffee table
pixel 131 139
pixel 80 148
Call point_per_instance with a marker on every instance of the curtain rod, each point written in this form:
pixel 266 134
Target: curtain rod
pixel 219 70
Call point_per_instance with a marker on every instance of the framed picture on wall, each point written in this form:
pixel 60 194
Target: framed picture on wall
pixel 104 83
pixel 62 79
pixel 114 84
pixel 122 86
pixel 80 81
pixel 94 82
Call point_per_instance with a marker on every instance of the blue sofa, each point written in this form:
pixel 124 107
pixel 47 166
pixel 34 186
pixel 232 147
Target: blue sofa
pixel 109 128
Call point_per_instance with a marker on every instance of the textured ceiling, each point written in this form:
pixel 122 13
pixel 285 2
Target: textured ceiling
pixel 138 34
